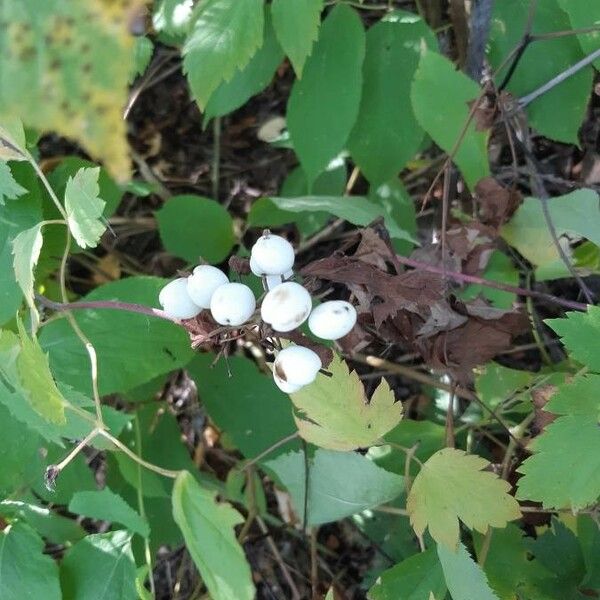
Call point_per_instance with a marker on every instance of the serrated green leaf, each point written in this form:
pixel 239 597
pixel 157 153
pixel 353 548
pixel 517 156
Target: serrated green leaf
pixel 540 64
pixel 296 24
pixel 583 15
pixel 99 567
pixel 85 51
pixel 225 35
pixel 105 505
pixel 84 207
pixel 386 134
pixel 178 225
pixel 580 333
pixel 575 214
pixel 248 409
pixel 563 479
pixel 131 348
pixel 37 381
pixel 440 98
pixel 340 484
pixel 26 248
pixel 580 396
pixel 333 412
pixel 208 529
pixel 451 486
pixel 9 188
pixel 142 54
pixel 354 209
pixel 251 80
pixel 26 572
pixel 419 577
pixel 464 577
pixel 324 104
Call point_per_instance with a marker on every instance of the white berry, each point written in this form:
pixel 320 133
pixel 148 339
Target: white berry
pixel 232 304
pixel 254 268
pixel 332 320
pixel 176 301
pixel 286 306
pixel 284 386
pixel 202 284
pixel 297 365
pixel 272 255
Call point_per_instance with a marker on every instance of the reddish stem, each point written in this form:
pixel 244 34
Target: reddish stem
pixel 462 277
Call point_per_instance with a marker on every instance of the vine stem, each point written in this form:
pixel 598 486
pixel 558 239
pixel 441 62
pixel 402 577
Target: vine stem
pixel 138 459
pixel 89 347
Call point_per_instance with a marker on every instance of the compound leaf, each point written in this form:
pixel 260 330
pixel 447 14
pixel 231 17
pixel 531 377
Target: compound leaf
pixel 208 529
pixel 296 24
pixel 333 412
pixel 451 486
pixel 225 35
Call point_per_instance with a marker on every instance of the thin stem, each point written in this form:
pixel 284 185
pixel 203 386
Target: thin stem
pixel 464 278
pixel 82 444
pixel 271 448
pixel 392 510
pixel 142 506
pixel 140 461
pixel 216 164
pixel 111 305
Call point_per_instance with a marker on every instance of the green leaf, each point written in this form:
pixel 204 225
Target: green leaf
pixel 246 407
pixel 340 484
pixel 12 139
pixel 464 577
pixel 440 98
pixel 105 505
pixel 148 346
pixel 251 80
pixel 495 384
pixel 142 54
pixel 575 475
pixel 37 381
pixel 507 564
pixel 14 218
pixel 26 248
pixel 99 567
pixel 588 534
pixel 580 396
pixel 323 105
pixel 542 62
pixel 386 134
pixel 208 529
pixel 84 207
pixel 574 214
pixel 192 227
pixel 297 26
pixel 85 51
pixel 451 486
pixel 9 188
pixel 225 35
pixel 580 332
pixel 26 572
pixel 419 577
pixel 354 209
pixel 582 15
pixel 333 412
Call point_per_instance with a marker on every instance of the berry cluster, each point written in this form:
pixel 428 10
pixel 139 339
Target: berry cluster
pixel 285 306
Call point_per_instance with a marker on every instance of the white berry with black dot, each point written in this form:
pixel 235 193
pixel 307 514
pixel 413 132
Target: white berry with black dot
pixel 332 320
pixel 271 255
pixel 176 301
pixel 297 366
pixel 232 304
pixel 203 282
pixel 286 306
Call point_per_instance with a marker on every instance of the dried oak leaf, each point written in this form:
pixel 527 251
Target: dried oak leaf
pixel 496 202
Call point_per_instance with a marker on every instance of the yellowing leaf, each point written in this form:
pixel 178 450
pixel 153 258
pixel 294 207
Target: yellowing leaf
pixel 36 379
pixel 65 68
pixel 84 208
pixel 333 412
pixel 451 486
